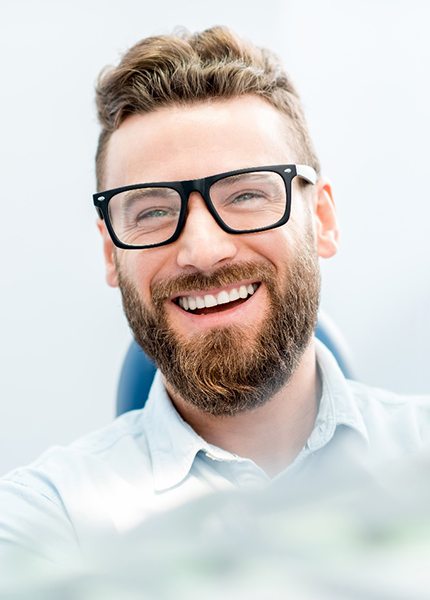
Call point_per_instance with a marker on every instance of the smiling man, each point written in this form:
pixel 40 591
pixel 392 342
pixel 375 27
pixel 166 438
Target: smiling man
pixel 213 215
pixel 227 307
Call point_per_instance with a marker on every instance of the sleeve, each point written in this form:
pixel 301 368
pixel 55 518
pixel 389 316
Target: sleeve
pixel 33 522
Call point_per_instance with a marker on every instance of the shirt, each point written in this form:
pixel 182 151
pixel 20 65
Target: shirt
pixel 150 460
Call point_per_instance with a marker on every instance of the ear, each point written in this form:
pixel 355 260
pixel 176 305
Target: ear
pixel 109 250
pixel 327 231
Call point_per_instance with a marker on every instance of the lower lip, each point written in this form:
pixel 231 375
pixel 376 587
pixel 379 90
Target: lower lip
pixel 220 318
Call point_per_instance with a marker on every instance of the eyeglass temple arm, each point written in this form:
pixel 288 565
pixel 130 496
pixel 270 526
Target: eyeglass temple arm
pixel 308 173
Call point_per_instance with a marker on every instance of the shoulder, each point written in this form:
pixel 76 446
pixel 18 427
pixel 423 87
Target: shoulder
pixel 65 476
pixel 127 430
pixel 391 402
pixel 393 419
pixel 95 482
pixel 125 436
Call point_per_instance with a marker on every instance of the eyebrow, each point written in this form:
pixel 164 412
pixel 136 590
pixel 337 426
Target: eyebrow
pixel 133 196
pixel 256 175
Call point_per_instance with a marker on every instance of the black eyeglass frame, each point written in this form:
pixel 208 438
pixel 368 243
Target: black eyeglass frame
pixel 202 186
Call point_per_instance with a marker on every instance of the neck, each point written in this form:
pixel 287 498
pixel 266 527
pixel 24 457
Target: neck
pixel 271 435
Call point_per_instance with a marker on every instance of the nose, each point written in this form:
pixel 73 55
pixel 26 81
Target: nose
pixel 203 245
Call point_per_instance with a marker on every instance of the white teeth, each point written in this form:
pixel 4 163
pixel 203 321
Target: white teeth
pixel 210 301
pixel 200 302
pixel 243 292
pixel 223 297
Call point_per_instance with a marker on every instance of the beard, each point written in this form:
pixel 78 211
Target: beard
pixel 225 371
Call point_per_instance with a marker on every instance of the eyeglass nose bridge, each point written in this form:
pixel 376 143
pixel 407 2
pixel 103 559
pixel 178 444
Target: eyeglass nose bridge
pixel 195 185
pixel 202 187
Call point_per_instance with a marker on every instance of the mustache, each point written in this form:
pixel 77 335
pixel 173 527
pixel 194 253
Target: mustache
pixel 226 275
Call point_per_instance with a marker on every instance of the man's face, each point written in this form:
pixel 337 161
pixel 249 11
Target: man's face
pixel 233 356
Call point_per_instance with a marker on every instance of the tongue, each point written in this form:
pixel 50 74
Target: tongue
pixel 218 307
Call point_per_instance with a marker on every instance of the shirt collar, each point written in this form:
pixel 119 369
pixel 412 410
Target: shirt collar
pixel 337 405
pixel 173 444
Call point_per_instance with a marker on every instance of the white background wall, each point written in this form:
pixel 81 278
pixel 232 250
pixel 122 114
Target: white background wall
pixel 363 71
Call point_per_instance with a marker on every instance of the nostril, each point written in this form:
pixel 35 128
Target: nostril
pixel 204 248
pixel 205 255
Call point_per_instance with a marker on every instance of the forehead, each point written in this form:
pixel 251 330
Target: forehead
pixel 205 138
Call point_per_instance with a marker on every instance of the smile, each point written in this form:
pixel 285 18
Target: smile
pixel 224 298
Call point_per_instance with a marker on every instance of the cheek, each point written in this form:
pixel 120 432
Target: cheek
pixel 276 246
pixel 282 246
pixel 300 213
pixel 302 225
pixel 142 267
pixel 132 269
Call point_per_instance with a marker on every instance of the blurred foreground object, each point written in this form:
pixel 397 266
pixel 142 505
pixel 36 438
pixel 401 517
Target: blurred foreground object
pixel 370 540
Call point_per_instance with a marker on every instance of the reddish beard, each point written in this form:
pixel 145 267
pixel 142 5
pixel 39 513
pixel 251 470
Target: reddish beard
pixel 236 368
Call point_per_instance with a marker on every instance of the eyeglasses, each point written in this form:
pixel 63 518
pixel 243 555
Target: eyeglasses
pixel 147 215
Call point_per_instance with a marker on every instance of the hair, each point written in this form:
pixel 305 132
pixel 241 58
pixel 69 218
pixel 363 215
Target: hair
pixel 185 68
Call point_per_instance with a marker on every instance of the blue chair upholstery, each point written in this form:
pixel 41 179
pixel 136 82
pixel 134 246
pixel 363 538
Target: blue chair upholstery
pixel 138 370
pixel 135 380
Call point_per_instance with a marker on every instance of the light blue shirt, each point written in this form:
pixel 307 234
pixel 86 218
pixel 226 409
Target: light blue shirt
pixel 150 460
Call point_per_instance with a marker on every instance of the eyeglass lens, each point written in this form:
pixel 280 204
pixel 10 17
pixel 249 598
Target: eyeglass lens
pixel 243 202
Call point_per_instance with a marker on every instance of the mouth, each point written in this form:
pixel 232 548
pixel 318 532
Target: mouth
pixel 224 299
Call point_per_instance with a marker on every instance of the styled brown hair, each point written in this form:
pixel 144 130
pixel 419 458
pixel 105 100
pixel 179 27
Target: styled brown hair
pixel 184 68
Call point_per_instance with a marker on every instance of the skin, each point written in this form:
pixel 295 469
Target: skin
pixel 177 143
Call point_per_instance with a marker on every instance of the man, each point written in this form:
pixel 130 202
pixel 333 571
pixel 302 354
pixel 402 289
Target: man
pixel 213 214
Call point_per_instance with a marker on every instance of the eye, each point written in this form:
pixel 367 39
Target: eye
pixel 245 197
pixel 154 213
